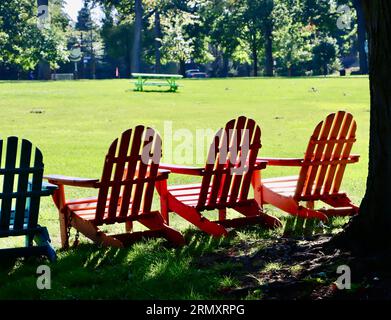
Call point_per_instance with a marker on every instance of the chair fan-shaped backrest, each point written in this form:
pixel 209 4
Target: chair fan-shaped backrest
pixel 21 171
pixel 326 157
pixel 230 164
pixel 129 175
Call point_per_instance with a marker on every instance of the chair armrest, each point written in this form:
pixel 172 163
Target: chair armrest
pixel 72 181
pixel 354 157
pixel 163 174
pixel 260 164
pixel 47 189
pixel 178 169
pixel 287 162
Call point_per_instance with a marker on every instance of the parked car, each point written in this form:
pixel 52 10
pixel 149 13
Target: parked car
pixel 195 74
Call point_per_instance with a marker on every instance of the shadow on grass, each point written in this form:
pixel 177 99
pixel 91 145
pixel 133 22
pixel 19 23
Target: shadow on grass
pixel 203 269
pixel 147 270
pixel 152 91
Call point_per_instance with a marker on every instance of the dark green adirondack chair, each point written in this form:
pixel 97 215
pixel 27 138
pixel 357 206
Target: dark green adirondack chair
pixel 21 189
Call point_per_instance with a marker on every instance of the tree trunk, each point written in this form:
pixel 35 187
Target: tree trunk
pixel 225 66
pixel 138 26
pixel 158 35
pixel 361 32
pixel 370 230
pixel 82 72
pixel 182 67
pixel 255 59
pixel 44 72
pixel 269 61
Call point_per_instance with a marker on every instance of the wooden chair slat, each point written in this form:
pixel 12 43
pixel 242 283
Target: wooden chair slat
pixel 233 152
pixel 336 157
pixel 314 153
pixel 20 207
pixel 8 182
pixel 119 173
pixel 317 156
pixel 340 169
pixel 329 154
pixel 255 144
pixel 221 162
pixel 207 178
pixel 131 169
pixel 156 153
pixel 106 177
pixel 36 187
pixel 141 174
pixel 237 178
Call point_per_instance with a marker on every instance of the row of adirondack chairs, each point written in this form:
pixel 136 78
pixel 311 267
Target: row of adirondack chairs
pixel 132 172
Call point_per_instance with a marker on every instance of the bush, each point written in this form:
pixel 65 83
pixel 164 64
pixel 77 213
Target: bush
pixel 325 56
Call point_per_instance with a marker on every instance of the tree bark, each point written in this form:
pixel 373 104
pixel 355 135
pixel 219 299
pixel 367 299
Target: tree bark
pixel 370 230
pixel 182 67
pixel 255 58
pixel 44 71
pixel 158 35
pixel 362 35
pixel 269 61
pixel 225 66
pixel 138 26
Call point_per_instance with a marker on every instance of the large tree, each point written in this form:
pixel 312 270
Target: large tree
pixel 371 228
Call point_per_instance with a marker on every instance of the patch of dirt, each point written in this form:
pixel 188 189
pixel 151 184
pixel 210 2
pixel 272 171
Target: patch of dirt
pixel 291 268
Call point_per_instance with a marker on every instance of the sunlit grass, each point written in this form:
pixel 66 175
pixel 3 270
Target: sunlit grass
pixel 74 127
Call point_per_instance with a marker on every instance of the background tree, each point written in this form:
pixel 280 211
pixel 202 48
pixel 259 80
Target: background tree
pixel 176 45
pixel 292 37
pixel 324 56
pixel 23 45
pixel 256 19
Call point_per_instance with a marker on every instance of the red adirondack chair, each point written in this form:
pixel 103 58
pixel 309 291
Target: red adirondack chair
pixel 321 173
pixel 125 193
pixel 226 180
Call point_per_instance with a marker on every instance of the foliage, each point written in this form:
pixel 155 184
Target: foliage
pixel 176 46
pixel 325 56
pixel 292 38
pixel 22 43
pixel 223 35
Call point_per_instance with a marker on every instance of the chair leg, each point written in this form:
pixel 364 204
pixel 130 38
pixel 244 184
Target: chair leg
pixel 310 223
pixel 64 229
pixel 156 223
pixel 29 240
pixel 290 205
pixel 344 206
pixel 193 216
pixel 161 187
pixel 92 232
pixel 222 214
pixel 254 210
pixel 42 239
pixel 129 226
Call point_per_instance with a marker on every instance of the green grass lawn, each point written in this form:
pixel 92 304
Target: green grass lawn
pixel 73 123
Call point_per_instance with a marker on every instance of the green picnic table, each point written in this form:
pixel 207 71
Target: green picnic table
pixel 143 80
